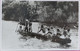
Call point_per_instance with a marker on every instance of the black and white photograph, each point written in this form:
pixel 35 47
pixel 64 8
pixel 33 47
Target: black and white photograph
pixel 40 24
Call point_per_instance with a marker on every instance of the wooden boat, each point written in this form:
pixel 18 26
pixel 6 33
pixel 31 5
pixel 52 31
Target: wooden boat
pixel 45 38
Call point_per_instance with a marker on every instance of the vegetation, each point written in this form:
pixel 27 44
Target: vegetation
pixel 43 11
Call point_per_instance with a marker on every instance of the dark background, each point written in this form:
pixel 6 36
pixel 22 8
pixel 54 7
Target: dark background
pixel 49 12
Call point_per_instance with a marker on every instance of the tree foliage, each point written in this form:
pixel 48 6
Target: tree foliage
pixel 60 11
pixel 14 11
pixel 43 11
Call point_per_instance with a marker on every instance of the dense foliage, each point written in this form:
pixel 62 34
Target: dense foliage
pixel 43 11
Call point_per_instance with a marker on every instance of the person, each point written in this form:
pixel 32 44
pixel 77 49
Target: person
pixel 42 29
pixel 49 33
pixel 57 36
pixel 20 29
pixel 53 38
pixel 52 30
pixel 58 33
pixel 30 26
pixel 66 31
pixel 26 25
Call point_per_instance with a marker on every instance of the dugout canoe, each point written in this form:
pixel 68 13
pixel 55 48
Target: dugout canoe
pixel 45 38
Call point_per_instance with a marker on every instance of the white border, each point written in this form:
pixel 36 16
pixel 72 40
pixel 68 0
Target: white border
pixel 34 49
pixel 79 24
pixel 0 25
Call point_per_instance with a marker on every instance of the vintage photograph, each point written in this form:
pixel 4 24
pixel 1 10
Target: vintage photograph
pixel 40 24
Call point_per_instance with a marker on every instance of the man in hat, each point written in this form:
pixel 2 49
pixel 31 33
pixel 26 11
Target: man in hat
pixel 26 25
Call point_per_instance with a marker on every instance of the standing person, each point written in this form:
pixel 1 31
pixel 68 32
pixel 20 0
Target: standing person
pixel 26 25
pixel 42 29
pixel 30 26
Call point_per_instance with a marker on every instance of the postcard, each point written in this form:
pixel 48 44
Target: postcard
pixel 40 25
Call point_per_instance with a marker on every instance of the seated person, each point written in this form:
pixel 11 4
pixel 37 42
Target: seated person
pixel 66 31
pixel 51 29
pixel 58 32
pixel 42 29
pixel 49 33
pixel 20 29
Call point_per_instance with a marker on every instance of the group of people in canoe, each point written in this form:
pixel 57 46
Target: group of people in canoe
pixel 55 34
pixel 61 36
pixel 50 31
pixel 47 31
